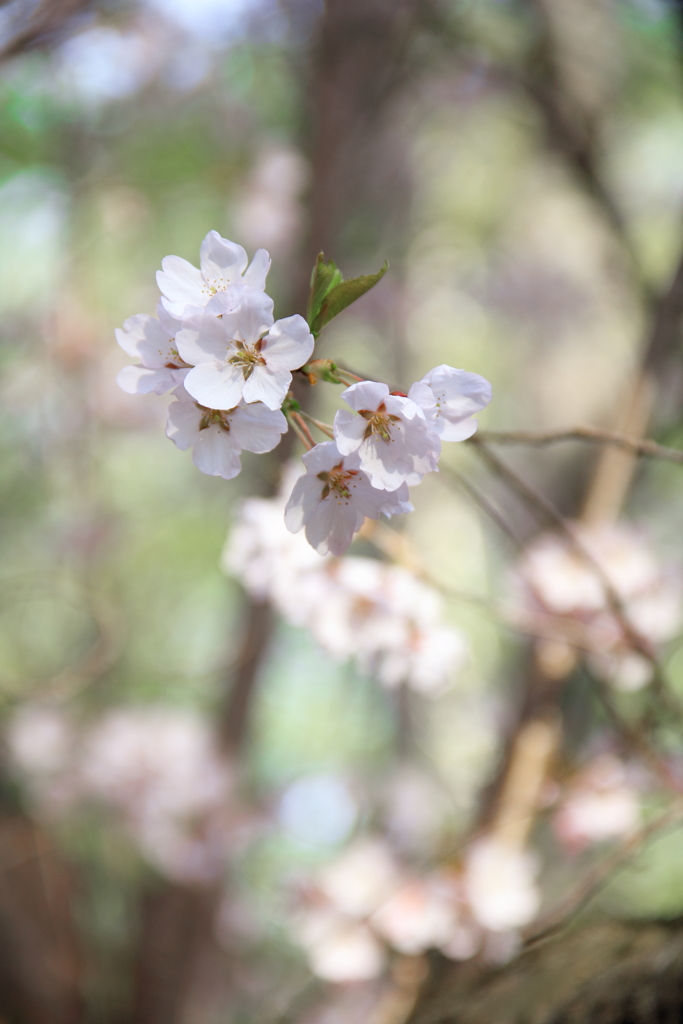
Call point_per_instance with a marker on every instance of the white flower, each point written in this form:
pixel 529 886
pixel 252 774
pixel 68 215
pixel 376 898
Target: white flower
pixel 500 885
pixel 361 879
pixel 339 949
pixel 394 442
pixel 153 342
pixel 219 285
pixel 427 660
pixel 421 915
pixel 218 436
pixel 449 398
pixel 601 804
pixel 243 354
pixel 334 497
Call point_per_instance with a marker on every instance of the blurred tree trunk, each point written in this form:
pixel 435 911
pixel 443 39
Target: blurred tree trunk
pixel 359 62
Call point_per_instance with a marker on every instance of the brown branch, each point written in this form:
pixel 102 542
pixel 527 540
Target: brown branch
pixel 591 434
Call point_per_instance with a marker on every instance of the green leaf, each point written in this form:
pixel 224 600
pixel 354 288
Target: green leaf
pixel 324 278
pixel 340 295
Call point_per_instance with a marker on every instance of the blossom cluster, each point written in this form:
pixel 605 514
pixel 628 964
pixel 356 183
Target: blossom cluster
pixel 229 364
pixel 553 577
pixel 175 796
pixel 390 620
pixel 366 902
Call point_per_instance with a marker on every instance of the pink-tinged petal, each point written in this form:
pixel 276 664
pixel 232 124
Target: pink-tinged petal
pixel 397 502
pixel 222 262
pixel 289 344
pixel 267 387
pixel 306 494
pixel 182 425
pixel 367 394
pixel 214 455
pixel 141 380
pixel 133 332
pixel 324 457
pixel 181 284
pixel 397 405
pixel 215 385
pixel 255 276
pixel 202 339
pixel 172 324
pixel 349 430
pixel 255 428
pixel 459 431
pixel 232 297
pixel 465 392
pixel 252 318
pixel 421 394
pixel 384 475
pixel 144 337
pixel 331 527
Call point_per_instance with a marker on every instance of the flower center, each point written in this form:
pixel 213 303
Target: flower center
pixel 214 417
pixel 247 357
pixel 336 481
pixel 379 422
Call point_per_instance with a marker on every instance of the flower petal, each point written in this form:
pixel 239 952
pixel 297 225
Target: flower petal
pixel 256 428
pixel 181 284
pixel 222 262
pixel 288 344
pixel 141 380
pixel 367 394
pixel 306 494
pixel 203 339
pixel 251 319
pixel 266 386
pixel 349 431
pixel 215 385
pixel 214 454
pixel 255 276
pixel 182 425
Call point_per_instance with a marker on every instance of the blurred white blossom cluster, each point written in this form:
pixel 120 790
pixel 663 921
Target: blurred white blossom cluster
pixel 216 346
pixel 365 903
pixel 600 802
pixel 158 769
pixel 389 621
pixel 553 578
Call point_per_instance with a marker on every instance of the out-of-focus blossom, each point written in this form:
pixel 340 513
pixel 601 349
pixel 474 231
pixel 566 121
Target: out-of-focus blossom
pixel 339 948
pixel 421 915
pixel 218 436
pixel 361 879
pixel 243 354
pixel 39 740
pixel 450 398
pixel 500 885
pixel 553 577
pixel 394 443
pixel 600 803
pixel 335 497
pixel 220 284
pixel 153 342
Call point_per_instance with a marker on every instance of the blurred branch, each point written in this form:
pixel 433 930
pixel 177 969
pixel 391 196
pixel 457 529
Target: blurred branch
pixel 590 434
pixel 29 26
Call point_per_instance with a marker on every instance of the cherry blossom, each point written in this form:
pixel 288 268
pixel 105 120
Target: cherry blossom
pixel 152 341
pixel 243 354
pixel 449 399
pixel 394 442
pixel 218 436
pixel 500 885
pixel 220 284
pixel 600 803
pixel 335 497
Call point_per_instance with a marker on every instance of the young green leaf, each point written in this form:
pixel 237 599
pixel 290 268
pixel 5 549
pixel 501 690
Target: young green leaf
pixel 342 294
pixel 324 278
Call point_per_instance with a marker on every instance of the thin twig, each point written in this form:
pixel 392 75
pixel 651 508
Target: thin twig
pixel 326 428
pixel 304 429
pixel 299 433
pixel 590 434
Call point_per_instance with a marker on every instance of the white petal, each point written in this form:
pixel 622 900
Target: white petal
pixel 222 262
pixel 288 344
pixel 181 284
pixel 215 385
pixel 183 422
pixel 140 380
pixel 367 394
pixel 214 454
pixel 267 387
pixel 144 331
pixel 251 319
pixel 203 338
pixel 231 298
pixel 349 430
pixel 422 395
pixel 331 526
pixel 458 431
pixel 306 494
pixel 255 276
pixel 324 457
pixel 255 428
pixel 170 324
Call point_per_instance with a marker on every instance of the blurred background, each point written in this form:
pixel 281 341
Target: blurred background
pixel 179 761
